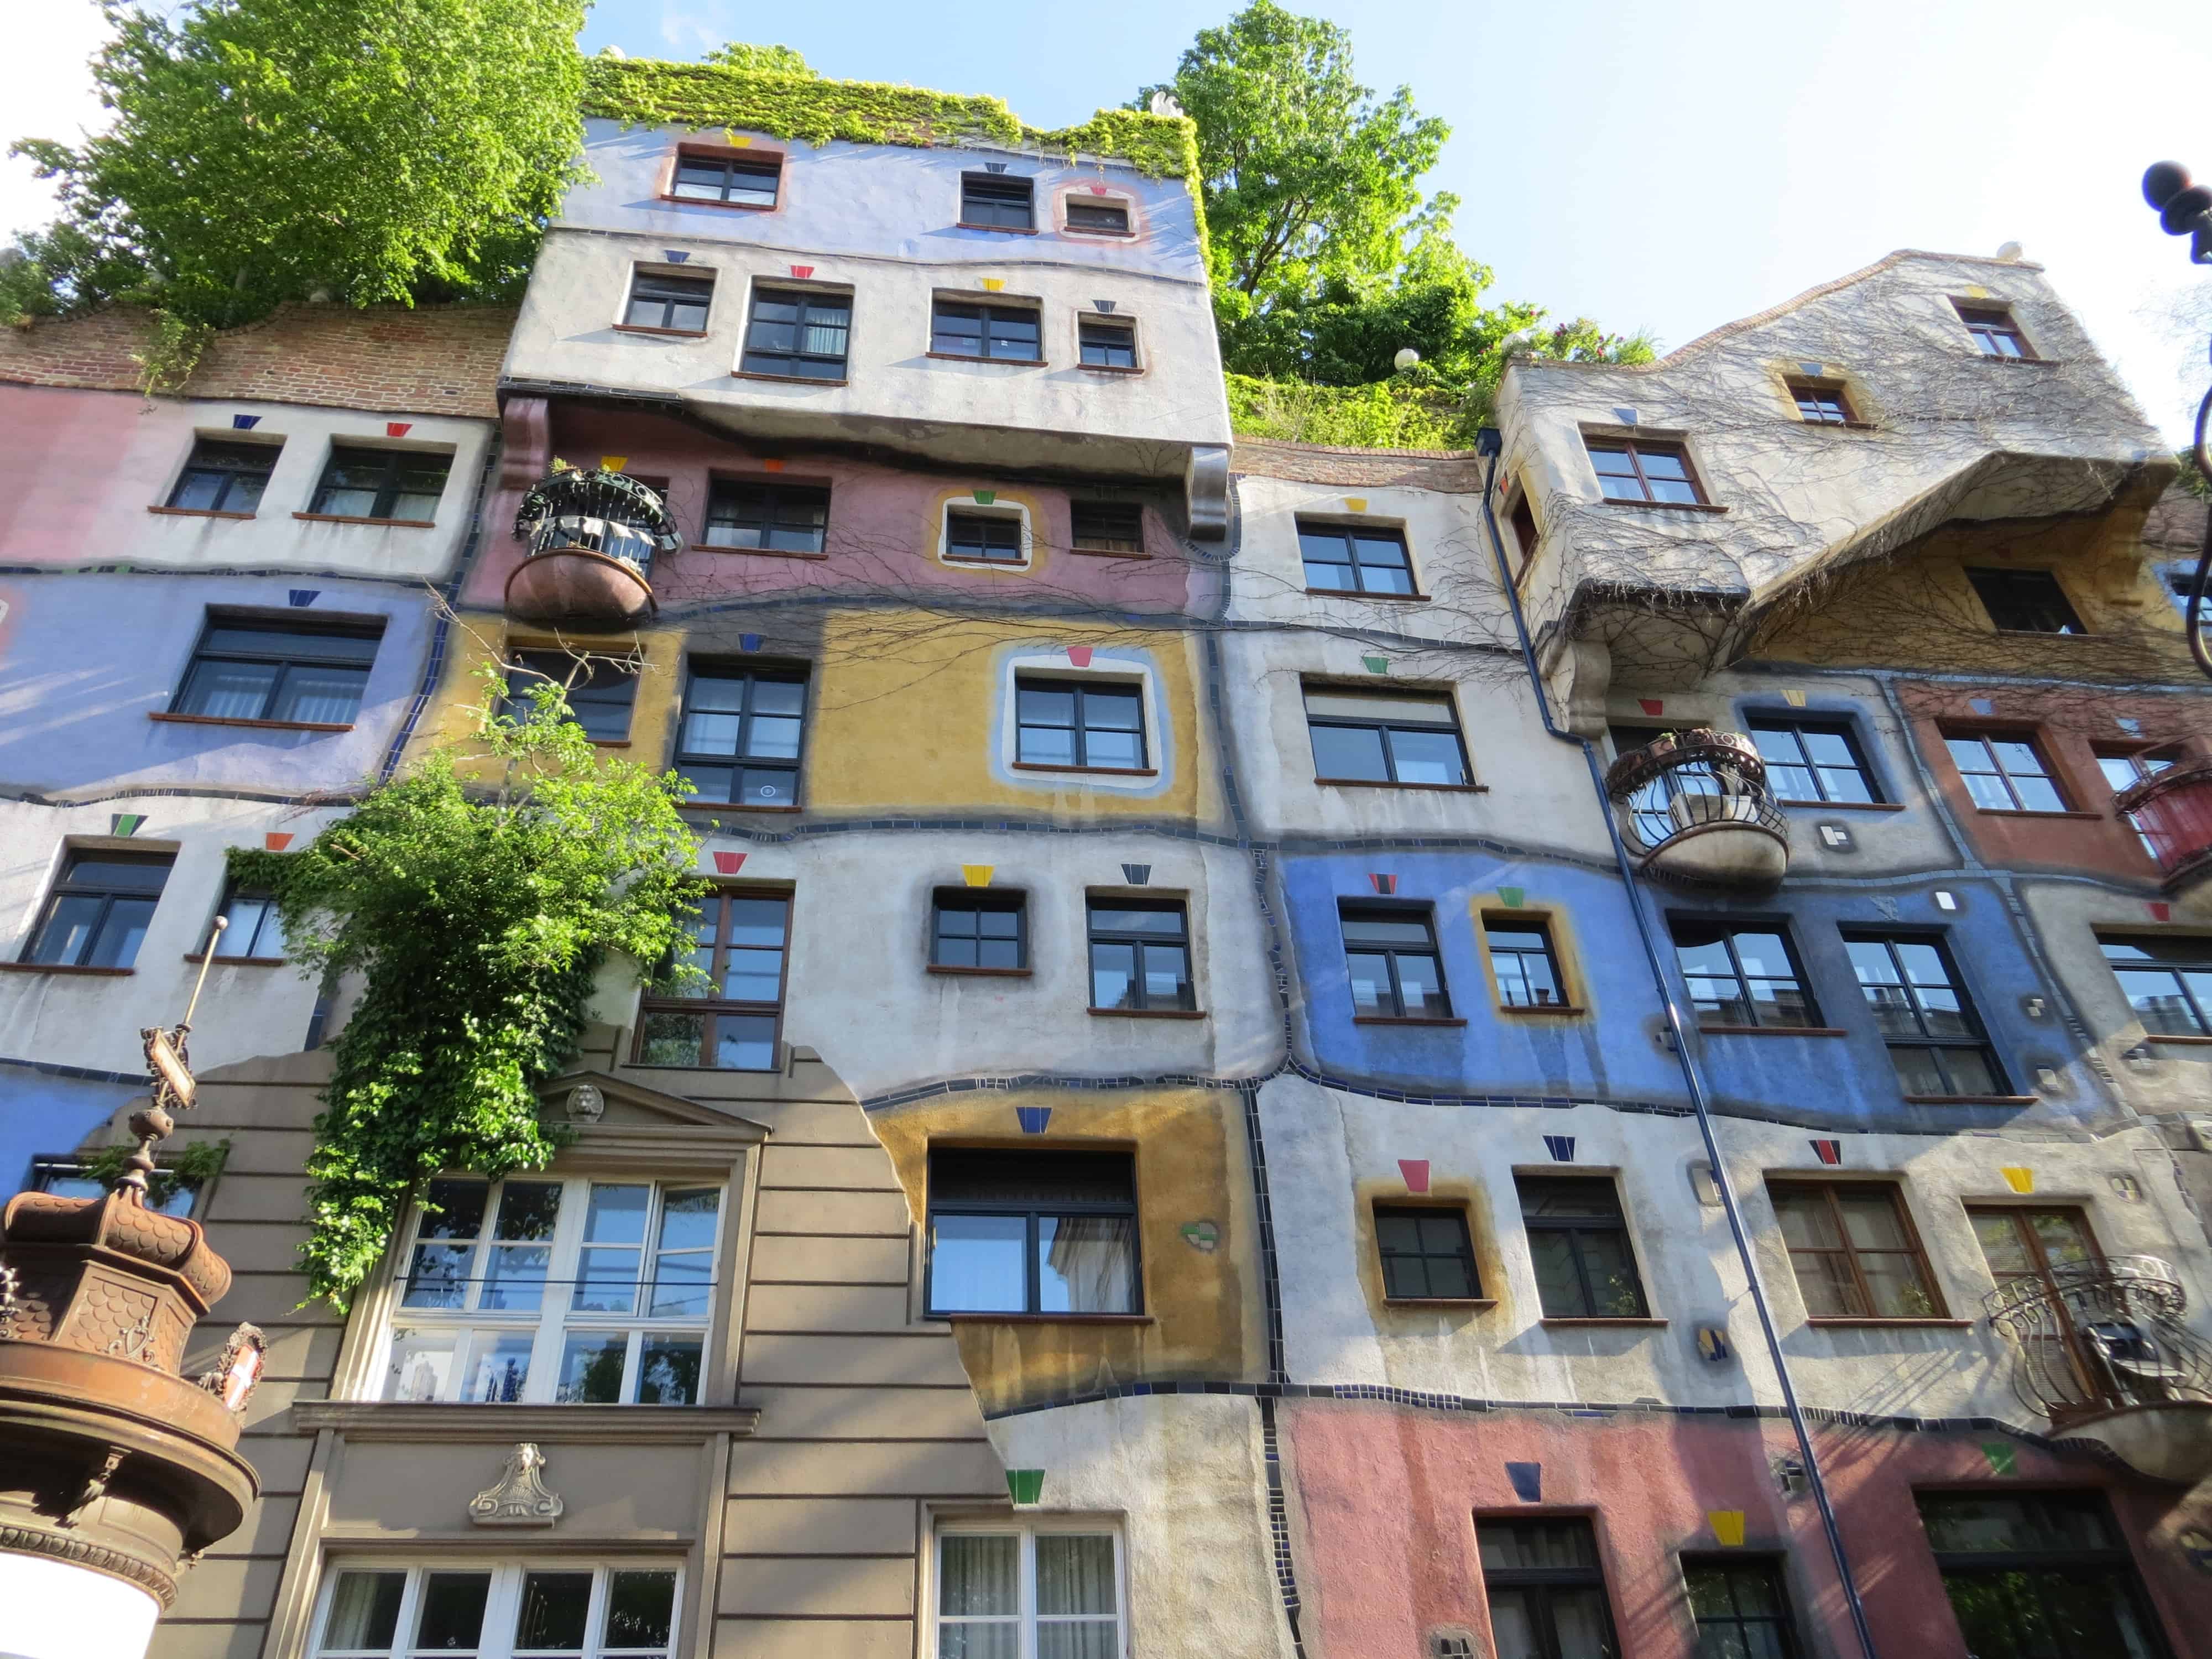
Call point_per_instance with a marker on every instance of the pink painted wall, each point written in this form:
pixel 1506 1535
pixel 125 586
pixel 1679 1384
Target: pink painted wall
pixel 1386 1501
pixel 81 465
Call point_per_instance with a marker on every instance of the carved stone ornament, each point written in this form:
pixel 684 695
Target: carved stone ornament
pixel 520 1496
pixel 585 1104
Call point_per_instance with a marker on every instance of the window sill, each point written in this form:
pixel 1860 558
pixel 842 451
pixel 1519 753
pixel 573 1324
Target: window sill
pixel 730 806
pixel 1147 1013
pixel 1626 1324
pixel 1043 1318
pixel 1666 507
pixel 389 524
pixel 787 380
pixel 1111 368
pixel 1969 1100
pixel 1361 593
pixel 756 552
pixel 1841 426
pixel 1842 1322
pixel 2021 363
pixel 1478 1302
pixel 2153 1036
pixel 1088 230
pixel 1542 1010
pixel 1002 230
pixel 1846 806
pixel 2043 633
pixel 610 743
pixel 1089 771
pixel 1383 783
pixel 984 563
pixel 669 334
pixel 995 362
pixel 1774 1031
pixel 237 962
pixel 980 972
pixel 391 1419
pixel 1108 553
pixel 1401 1019
pixel 728 207
pixel 261 725
pixel 2010 812
pixel 65 968
pixel 195 513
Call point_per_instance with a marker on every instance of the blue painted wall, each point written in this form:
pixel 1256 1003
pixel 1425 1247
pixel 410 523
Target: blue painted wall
pixel 44 1113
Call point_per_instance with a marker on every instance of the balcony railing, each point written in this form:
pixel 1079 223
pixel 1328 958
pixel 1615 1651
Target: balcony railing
pixel 591 539
pixel 2173 811
pixel 1695 808
pixel 2101 1337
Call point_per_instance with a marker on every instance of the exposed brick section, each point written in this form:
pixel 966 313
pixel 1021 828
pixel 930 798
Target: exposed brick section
pixel 1455 471
pixel 436 360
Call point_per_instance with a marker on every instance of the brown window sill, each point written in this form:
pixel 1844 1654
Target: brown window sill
pixel 1541 1008
pixel 1111 368
pixel 730 806
pixel 2153 1036
pixel 784 379
pixel 65 968
pixel 264 725
pixel 1637 1324
pixel 969 558
pixel 1384 783
pixel 1401 1019
pixel 1841 425
pixel 610 743
pixel 1844 1323
pixel 672 333
pixel 995 362
pixel 1082 771
pixel 1108 553
pixel 1970 1100
pixel 983 973
pixel 729 207
pixel 1666 507
pixel 1477 1301
pixel 195 513
pixel 2008 812
pixel 1043 1318
pixel 1089 230
pixel 237 962
pixel 1774 1031
pixel 1003 230
pixel 1361 593
pixel 1147 1013
pixel 1847 805
pixel 718 1071
pixel 2042 634
pixel 390 524
pixel 756 552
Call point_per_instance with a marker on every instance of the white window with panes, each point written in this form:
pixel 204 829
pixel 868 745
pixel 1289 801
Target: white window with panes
pixel 559 1610
pixel 1045 1590
pixel 578 1292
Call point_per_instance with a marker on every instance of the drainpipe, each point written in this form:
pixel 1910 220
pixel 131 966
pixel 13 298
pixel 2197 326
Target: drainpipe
pixel 1490 443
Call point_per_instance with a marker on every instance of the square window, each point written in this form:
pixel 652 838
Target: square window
pixel 676 304
pixel 1854 1250
pixel 2024 601
pixel 975 930
pixel 1407 738
pixel 1738 1603
pixel 2167 979
pixel 1110 218
pixel 734 181
pixel 1578 1245
pixel 767 518
pixel 1523 961
pixel 1005 334
pixel 1390 955
pixel 1351 558
pixel 1139 957
pixel 984 537
pixel 996 201
pixel 1995 332
pixel 225 477
pixel 1049 1590
pixel 740 738
pixel 1920 1006
pixel 1080 725
pixel 1107 526
pixel 399 486
pixel 256 668
pixel 726 1016
pixel 1822 403
pixel 599 691
pixel 253 930
pixel 1743 974
pixel 1813 760
pixel 1104 342
pixel 1426 1254
pixel 797 334
pixel 1644 471
pixel 1032 1232
pixel 2004 771
pixel 1545 1590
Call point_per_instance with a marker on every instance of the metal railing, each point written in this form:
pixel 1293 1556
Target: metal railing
pixel 2101 1336
pixel 1687 781
pixel 597 512
pixel 2172 811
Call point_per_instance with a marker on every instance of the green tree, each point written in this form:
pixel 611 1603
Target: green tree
pixel 762 60
pixel 264 150
pixel 475 896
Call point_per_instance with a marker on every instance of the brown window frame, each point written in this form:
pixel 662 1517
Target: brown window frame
pixel 1522 518
pixel 1120 205
pixel 732 162
pixel 720 896
pixel 1464 1254
pixel 1985 321
pixel 1930 1287
pixel 1822 395
pixel 1636 449
pixel 1987 737
pixel 1092 538
pixel 1989 583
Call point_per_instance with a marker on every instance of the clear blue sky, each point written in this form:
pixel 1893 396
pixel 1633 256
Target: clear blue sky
pixel 1668 167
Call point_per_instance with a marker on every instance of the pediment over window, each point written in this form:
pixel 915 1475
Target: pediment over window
pixel 615 1121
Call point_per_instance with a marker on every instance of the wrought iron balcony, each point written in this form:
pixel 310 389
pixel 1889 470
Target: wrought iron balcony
pixel 2100 1350
pixel 590 538
pixel 1695 809
pixel 2172 810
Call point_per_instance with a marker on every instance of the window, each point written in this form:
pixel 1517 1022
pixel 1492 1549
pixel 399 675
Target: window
pixel 2025 601
pixel 750 182
pixel 1854 1250
pixel 253 928
pixel 97 915
pixel 728 1019
pixel 567 1612
pixel 1079 724
pixel 983 537
pixel 740 740
pixel 224 477
pixel 1139 956
pixel 1006 334
pixel 1822 403
pixel 1406 738
pixel 1813 760
pixel 1107 526
pixel 167 1191
pixel 1343 558
pixel 2039 1576
pixel 2166 978
pixel 252 668
pixel 1521 963
pixel 1391 955
pixel 1032 1592
pixel 570 1293
pixel 1743 976
pixel 2029 1243
pixel 1578 1244
pixel 1104 344
pixel 1112 217
pixel 677 304
pixel 974 931
pixel 599 691
pixel 1644 472
pixel 1994 330
pixel 2040 1245
pixel 1741 1610
pixel 2125 768
pixel 2004 773
pixel 1545 1591
pixel 797 334
pixel 1523 520
pixel 1426 1255
pixel 401 485
pixel 995 200
pixel 773 518
pixel 1032 1232
pixel 1921 1011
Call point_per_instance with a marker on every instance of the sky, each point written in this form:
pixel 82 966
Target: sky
pixel 1659 167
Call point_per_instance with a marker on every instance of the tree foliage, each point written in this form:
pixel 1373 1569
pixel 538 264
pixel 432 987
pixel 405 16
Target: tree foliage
pixel 762 60
pixel 265 150
pixel 475 918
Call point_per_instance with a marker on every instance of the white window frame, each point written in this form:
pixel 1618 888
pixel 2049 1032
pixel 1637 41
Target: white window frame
pixel 1029 1529
pixel 502 1604
pixel 549 1325
pixel 1017 511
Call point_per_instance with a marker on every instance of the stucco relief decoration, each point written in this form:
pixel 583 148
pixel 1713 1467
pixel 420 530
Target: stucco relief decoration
pixel 519 1497
pixel 586 1105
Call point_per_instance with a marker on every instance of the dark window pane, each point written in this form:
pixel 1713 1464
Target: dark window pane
pixel 640 1609
pixel 1349 752
pixel 453 1610
pixel 554 1605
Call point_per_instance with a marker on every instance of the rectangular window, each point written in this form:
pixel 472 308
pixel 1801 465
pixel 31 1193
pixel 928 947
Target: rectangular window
pixel 1104 343
pixel 1032 1232
pixel 1545 1591
pixel 1405 737
pixel 1855 1251
pixel 1343 558
pixel 1743 976
pixel 1643 471
pixel 2025 601
pixel 974 930
pixel 1813 760
pixel 599 691
pixel 1994 330
pixel 678 304
pixel 167 1191
pixel 750 182
pixel 1107 526
pixel 1009 334
pixel 1578 1244
pixel 223 477
pixel 797 334
pixel 996 201
pixel 1820 402
pixel 2166 978
pixel 1139 956
pixel 1524 530
pixel 727 1019
pixel 741 737
pixel 1426 1255
pixel 2004 772
pixel 1521 961
pixel 552 1291
pixel 1740 1607
pixel 1047 1591
pixel 1921 1009
pixel 252 668
pixel 983 537
pixel 2034 1243
pixel 98 913
pixel 1079 724
pixel 773 518
pixel 252 929
pixel 2039 1576
pixel 572 1610
pixel 1112 216
pixel 1391 955
pixel 400 485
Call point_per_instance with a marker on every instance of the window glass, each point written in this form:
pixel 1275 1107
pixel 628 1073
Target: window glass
pixel 1545 1591
pixel 97 915
pixel 746 183
pixel 797 334
pixel 995 200
pixel 1139 957
pixel 1029 1594
pixel 1107 526
pixel 2004 773
pixel 1391 958
pixel 773 518
pixel 221 476
pixel 1578 1242
pixel 1401 738
pixel 570 1612
pixel 399 485
pixel 2167 980
pixel 271 671
pixel 2039 1576
pixel 1006 333
pixel 1425 1253
pixel 1355 558
pixel 1079 724
pixel 972 929
pixel 1995 333
pixel 1014 1232
pixel 1740 1608
pixel 680 303
pixel 739 739
pixel 1819 404
pixel 1102 345
pixel 598 691
pixel 2025 601
pixel 1920 1008
pixel 1098 215
pixel 1811 762
pixel 1854 1251
pixel 983 537
pixel 1521 961
pixel 1742 975
pixel 726 1016
pixel 1643 471
pixel 167 1191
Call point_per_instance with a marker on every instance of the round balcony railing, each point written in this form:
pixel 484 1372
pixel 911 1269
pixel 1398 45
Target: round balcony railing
pixel 590 538
pixel 2173 810
pixel 2100 1337
pixel 1695 806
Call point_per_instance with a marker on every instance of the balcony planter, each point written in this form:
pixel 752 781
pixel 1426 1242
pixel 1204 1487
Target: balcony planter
pixel 591 536
pixel 1695 806
pixel 2173 810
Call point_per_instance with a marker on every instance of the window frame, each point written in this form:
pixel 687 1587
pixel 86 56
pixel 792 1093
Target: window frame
pixel 1521 518
pixel 2113 1561
pixel 1384 1210
pixel 1988 321
pixel 1108 544
pixel 990 532
pixel 1728 928
pixel 1523 1180
pixel 1831 1192
pixel 1783 1621
pixel 1186 1006
pixel 233 896
pixel 517 703
pixel 2199 1008
pixel 1824 395
pixel 702 294
pixel 720 895
pixel 1027 680
pixel 1978 1041
pixel 502 1608
pixel 1028 1528
pixel 1538 1583
pixel 1989 737
pixel 1635 448
pixel 1385 728
pixel 392 464
pixel 1121 205
pixel 1983 579
pixel 755 163
pixel 1034 1210
pixel 60 888
pixel 729 499
pixel 979 900
pixel 737 761
pixel 806 297
pixel 286 665
pixel 1352 910
pixel 1351 531
pixel 1124 329
pixel 1841 727
pixel 50 1170
pixel 1003 187
pixel 996 309
pixel 1538 922
pixel 237 447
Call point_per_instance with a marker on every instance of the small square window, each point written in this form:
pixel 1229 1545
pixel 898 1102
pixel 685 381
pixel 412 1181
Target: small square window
pixel 99 911
pixel 224 477
pixel 1111 218
pixel 1390 955
pixel 252 668
pixel 1644 472
pixel 2005 771
pixel 1079 724
pixel 997 202
pixel 1854 1250
pixel 972 930
pixel 767 518
pixel 1104 342
pixel 1139 956
pixel 2025 601
pixel 676 304
pixel 983 537
pixel 1742 975
pixel 1521 961
pixel 1822 403
pixel 750 182
pixel 797 334
pixel 1032 1232
pixel 253 928
pixel 599 690
pixel 399 485
pixel 1426 1254
pixel 1004 334
pixel 1107 526
pixel 1995 334
pixel 1354 558
pixel 1406 738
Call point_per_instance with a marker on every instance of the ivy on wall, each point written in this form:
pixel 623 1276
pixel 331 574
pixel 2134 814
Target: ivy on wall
pixel 1381 415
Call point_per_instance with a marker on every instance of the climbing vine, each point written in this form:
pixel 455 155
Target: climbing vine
pixel 192 1164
